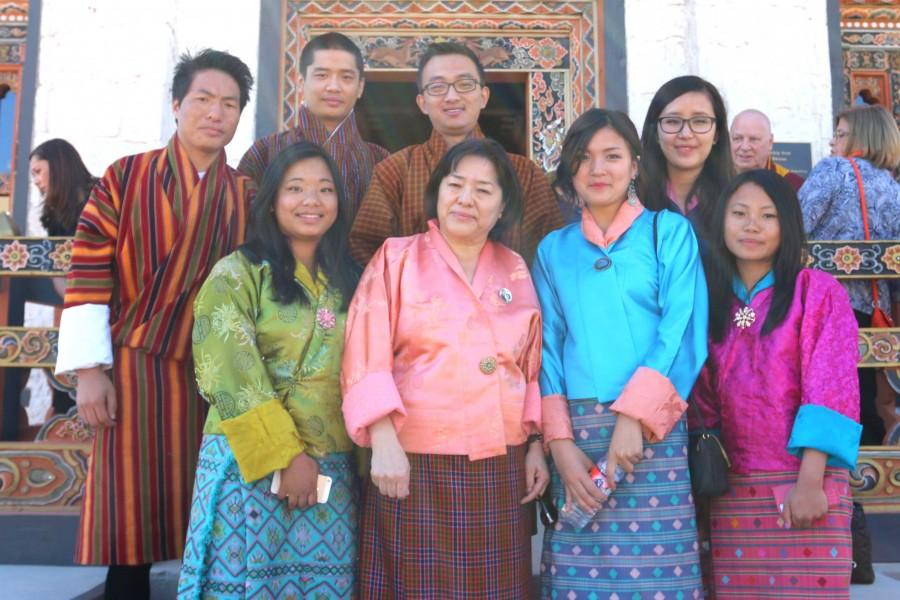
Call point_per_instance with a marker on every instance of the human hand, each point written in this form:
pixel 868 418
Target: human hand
pixel 804 504
pixel 537 475
pixel 626 448
pixel 574 469
pixel 95 396
pixel 390 465
pixel 298 481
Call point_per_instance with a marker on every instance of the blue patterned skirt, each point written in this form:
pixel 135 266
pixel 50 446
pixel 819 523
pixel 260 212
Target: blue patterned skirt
pixel 643 544
pixel 243 542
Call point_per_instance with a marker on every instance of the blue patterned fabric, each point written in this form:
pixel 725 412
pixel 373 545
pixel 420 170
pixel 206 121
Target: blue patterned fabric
pixel 643 544
pixel 829 200
pixel 243 542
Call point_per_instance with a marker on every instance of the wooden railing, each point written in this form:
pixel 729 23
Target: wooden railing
pixel 47 475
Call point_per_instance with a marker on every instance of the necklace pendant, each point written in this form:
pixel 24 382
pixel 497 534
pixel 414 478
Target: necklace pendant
pixel 744 317
pixel 505 295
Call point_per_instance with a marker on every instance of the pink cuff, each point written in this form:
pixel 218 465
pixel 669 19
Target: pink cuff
pixel 531 415
pixel 555 421
pixel 651 398
pixel 372 398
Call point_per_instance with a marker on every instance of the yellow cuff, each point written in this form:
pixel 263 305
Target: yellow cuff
pixel 263 440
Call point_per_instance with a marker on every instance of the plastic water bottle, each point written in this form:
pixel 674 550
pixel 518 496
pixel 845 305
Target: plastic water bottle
pixel 578 517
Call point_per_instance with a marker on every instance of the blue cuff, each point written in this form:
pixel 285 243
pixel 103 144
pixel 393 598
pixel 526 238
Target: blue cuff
pixel 828 431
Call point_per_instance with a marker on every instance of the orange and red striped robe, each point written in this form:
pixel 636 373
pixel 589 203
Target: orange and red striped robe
pixel 148 236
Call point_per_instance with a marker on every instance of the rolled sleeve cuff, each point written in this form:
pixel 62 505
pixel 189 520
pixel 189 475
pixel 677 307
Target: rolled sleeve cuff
pixel 651 398
pixel 826 430
pixel 374 397
pixel 532 413
pixel 85 340
pixel 263 440
pixel 556 424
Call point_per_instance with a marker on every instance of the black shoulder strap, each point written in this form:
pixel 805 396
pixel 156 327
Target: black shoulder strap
pixel 655 234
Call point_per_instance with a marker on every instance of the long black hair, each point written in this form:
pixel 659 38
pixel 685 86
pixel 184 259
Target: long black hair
pixel 718 167
pixel 68 185
pixel 786 265
pixel 266 242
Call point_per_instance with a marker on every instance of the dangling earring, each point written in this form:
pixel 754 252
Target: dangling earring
pixel 632 194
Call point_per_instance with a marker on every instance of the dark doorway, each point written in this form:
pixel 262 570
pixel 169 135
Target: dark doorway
pixel 387 113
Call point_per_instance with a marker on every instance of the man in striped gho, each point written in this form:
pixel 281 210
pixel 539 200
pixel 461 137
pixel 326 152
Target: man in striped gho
pixel 154 226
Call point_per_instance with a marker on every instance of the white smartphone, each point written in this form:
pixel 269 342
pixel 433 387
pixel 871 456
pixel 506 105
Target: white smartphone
pixel 323 486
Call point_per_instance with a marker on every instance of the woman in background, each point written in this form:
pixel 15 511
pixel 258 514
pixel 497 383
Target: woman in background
pixel 865 150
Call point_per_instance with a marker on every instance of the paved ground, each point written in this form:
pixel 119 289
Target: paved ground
pixel 24 582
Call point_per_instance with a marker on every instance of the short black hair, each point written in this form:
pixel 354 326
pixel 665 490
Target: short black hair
pixel 579 136
pixel 720 265
pixel 206 60
pixel 494 153
pixel 448 49
pixel 330 41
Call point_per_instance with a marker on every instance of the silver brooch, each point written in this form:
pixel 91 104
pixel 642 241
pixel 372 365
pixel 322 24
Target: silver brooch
pixel 505 295
pixel 744 317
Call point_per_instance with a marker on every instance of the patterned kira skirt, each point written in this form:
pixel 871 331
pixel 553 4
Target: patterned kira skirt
pixel 243 542
pixel 642 545
pixel 755 556
pixel 461 534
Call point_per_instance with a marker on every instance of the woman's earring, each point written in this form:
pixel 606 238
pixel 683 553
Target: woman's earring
pixel 632 194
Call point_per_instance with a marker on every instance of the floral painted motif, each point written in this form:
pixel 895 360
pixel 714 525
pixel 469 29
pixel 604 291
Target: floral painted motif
pixel 14 256
pixel 547 53
pixel 62 256
pixel 891 258
pixel 325 318
pixel 847 259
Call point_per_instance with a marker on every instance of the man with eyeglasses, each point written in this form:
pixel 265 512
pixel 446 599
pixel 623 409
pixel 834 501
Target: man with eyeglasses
pixel 751 146
pixel 452 93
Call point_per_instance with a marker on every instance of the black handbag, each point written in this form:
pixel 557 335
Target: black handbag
pixel 862 547
pixel 708 462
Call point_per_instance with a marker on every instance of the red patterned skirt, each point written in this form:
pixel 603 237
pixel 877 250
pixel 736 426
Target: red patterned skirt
pixel 461 533
pixel 755 556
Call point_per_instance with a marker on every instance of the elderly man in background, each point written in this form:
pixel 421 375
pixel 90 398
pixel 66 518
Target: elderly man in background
pixel 751 146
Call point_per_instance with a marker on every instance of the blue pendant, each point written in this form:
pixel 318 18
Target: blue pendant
pixel 602 263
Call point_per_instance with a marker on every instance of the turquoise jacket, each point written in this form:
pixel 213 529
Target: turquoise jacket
pixel 648 308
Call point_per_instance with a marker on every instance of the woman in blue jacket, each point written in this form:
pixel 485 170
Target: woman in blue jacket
pixel 625 309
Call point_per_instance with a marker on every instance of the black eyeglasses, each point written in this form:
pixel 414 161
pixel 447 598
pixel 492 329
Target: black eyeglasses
pixel 441 88
pixel 696 124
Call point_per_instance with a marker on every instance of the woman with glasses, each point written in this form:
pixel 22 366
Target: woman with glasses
pixel 624 305
pixel 686 153
pixel 440 379
pixel 865 150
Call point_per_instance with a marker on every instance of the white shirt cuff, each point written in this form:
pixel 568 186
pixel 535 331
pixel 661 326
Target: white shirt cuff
pixel 85 339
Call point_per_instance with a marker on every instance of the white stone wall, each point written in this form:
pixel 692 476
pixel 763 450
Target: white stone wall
pixel 104 77
pixel 766 54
